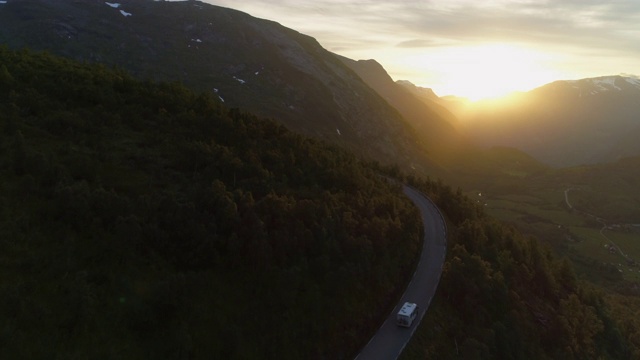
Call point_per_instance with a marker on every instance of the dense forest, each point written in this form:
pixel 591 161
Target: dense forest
pixel 504 295
pixel 142 220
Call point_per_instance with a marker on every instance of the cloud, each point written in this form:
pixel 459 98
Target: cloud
pixel 585 33
pixel 416 43
pixel 587 22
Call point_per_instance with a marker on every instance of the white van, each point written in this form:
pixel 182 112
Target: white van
pixel 407 314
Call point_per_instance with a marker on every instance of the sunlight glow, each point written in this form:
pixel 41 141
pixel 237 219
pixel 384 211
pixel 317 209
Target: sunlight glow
pixel 487 71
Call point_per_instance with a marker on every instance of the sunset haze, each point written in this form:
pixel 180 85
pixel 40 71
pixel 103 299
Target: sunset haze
pixel 467 48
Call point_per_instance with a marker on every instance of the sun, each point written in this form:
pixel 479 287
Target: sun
pixel 488 71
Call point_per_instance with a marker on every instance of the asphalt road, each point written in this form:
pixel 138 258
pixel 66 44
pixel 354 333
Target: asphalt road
pixel 390 340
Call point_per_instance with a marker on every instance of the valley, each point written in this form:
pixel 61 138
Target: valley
pixel 597 246
pixel 575 210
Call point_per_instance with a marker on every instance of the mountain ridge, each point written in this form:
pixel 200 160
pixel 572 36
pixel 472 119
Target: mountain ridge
pixel 433 123
pixel 563 123
pixel 251 63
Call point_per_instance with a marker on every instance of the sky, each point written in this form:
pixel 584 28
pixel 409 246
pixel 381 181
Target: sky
pixel 474 49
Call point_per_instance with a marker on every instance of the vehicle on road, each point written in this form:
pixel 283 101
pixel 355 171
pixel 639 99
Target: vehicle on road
pixel 407 314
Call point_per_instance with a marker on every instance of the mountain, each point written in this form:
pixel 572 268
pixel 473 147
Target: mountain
pixel 467 165
pixel 421 92
pixel 143 220
pixel 563 123
pixel 452 104
pixel 254 64
pixel 433 123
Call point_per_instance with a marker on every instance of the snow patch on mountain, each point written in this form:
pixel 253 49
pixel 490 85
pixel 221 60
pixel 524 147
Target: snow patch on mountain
pixel 116 6
pixel 633 81
pixel 598 85
pixel 606 84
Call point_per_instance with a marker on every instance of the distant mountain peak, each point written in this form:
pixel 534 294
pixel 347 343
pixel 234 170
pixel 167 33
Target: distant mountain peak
pixel 567 122
pixel 423 91
pixel 606 83
pixel 372 64
pixel 597 85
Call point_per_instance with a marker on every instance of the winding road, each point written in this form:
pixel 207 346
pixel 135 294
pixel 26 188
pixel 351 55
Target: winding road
pixel 391 339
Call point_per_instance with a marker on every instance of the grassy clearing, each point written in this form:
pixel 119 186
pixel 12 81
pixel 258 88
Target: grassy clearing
pixel 544 212
pixel 529 206
pixel 629 242
pixel 591 244
pixel 503 214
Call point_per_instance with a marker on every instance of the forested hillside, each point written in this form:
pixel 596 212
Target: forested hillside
pixel 142 220
pixel 506 296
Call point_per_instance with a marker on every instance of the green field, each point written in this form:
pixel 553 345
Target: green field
pixel 509 207
pixel 546 216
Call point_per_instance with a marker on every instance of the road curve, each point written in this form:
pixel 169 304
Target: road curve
pixel 390 340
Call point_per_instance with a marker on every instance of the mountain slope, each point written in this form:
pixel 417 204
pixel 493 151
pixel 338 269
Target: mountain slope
pixel 433 123
pixel 247 62
pixel 445 105
pixel 563 123
pixel 452 104
pixel 142 220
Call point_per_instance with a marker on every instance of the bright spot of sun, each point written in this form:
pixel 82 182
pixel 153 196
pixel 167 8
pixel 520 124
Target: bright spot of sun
pixel 486 71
